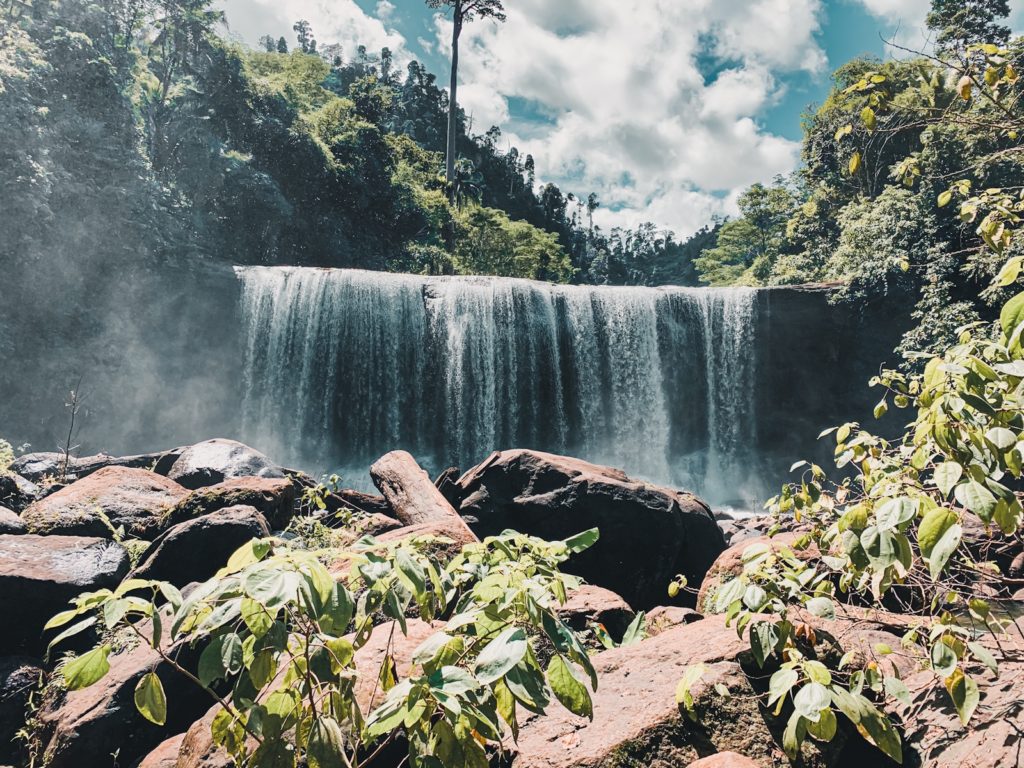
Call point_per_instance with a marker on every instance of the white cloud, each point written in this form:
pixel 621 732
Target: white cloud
pixel 634 117
pixel 333 21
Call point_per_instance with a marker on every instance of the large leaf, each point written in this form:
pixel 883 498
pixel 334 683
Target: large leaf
pixel 944 659
pixel 947 475
pixel 933 527
pixel 1012 314
pixel 894 513
pixel 150 699
pixel 781 683
pixel 87 669
pixel 871 723
pixel 500 655
pixel 567 689
pixel 811 699
pixel 964 692
pixel 943 549
pixel 583 541
pixel 326 745
pixel 977 498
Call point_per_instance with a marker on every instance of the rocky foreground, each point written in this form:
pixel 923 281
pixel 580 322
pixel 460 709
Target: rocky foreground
pixel 84 524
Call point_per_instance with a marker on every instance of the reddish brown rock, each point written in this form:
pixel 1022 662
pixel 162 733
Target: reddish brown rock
pixel 725 760
pixel 648 533
pixel 40 574
pixel 274 498
pixel 131 498
pixel 165 755
pixel 667 616
pixel 595 605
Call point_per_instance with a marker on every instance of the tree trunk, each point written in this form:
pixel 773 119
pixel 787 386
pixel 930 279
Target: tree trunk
pixel 453 102
pixel 412 496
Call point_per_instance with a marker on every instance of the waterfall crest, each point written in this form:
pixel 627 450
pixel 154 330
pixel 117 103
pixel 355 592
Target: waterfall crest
pixel 344 365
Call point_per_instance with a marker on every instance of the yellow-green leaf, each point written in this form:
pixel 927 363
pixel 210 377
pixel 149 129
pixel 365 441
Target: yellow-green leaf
pixel 150 699
pixel 87 669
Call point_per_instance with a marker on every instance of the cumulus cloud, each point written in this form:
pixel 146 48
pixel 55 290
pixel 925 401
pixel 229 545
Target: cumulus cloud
pixel 653 103
pixel 333 21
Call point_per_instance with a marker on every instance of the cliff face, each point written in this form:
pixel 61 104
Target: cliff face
pixel 817 359
pixel 161 357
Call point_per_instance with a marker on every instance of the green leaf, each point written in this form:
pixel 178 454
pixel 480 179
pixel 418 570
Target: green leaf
pixel 763 638
pixel 150 699
pixel 415 578
pixel 822 607
pixel 1010 272
pixel 211 662
pixel 867 116
pixel 933 527
pixel 854 163
pixel 500 655
pixel 1012 314
pixel 963 690
pixel 635 631
pixel 1001 438
pixel 781 683
pixel 947 475
pixel 943 659
pixel 982 654
pixel 271 588
pixel 86 669
pixel 894 513
pixel 567 689
pixel 326 745
pixel 897 689
pixel 943 549
pixel 811 699
pixel 231 653
pixel 945 198
pixel 583 541
pixel 977 498
pixel 793 736
pixel 825 728
pixel 871 723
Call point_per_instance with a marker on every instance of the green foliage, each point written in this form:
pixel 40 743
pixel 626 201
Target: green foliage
pixel 280 636
pixel 489 243
pixel 894 528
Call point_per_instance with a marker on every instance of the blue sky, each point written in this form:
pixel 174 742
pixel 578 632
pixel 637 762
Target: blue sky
pixel 667 109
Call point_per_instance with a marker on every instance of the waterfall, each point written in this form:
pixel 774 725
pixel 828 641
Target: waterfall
pixel 344 365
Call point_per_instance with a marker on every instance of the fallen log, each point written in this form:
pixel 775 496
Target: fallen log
pixel 413 498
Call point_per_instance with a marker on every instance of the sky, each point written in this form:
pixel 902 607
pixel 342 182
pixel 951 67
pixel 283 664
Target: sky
pixel 667 109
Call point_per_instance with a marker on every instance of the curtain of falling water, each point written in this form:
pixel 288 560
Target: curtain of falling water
pixel 344 365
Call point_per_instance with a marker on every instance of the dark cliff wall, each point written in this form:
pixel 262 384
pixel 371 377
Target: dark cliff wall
pixel 816 361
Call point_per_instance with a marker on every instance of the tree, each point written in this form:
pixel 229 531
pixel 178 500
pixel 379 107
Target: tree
pixel 304 35
pixel 462 11
pixel 268 43
pixel 962 23
pixel 282 45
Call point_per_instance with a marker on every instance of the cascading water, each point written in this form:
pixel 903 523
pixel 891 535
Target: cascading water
pixel 345 365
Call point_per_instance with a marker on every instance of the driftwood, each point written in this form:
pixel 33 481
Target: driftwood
pixel 413 498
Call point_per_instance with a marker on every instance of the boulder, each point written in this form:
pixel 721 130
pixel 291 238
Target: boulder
pixel 40 574
pixel 10 523
pixel 165 755
pixel 136 499
pixel 648 533
pixel 83 728
pixel 274 498
pixel 16 492
pixel 196 549
pixel 637 722
pixel 215 461
pixel 992 739
pixel 595 605
pixel 19 677
pixel 39 467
